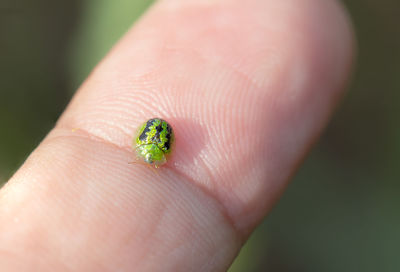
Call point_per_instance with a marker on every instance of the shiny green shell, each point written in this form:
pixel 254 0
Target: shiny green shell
pixel 154 141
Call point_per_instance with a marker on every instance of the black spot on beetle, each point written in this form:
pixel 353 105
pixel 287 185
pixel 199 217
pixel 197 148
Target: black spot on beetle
pixel 143 136
pixel 168 142
pixel 158 131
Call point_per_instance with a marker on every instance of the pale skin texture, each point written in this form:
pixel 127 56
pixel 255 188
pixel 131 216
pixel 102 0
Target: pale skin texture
pixel 247 85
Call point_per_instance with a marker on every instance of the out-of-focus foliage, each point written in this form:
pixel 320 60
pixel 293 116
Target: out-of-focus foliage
pixel 339 214
pixel 102 24
pixel 34 38
pixel 47 48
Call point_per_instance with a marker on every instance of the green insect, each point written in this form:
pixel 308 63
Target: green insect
pixel 154 141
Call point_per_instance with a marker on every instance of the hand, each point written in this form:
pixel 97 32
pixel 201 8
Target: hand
pixel 247 85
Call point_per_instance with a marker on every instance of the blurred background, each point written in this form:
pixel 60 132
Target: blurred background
pixel 341 213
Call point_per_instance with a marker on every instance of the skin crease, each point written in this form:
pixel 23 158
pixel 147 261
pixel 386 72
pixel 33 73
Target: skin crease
pixel 247 89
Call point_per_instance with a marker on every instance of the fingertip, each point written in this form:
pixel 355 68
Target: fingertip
pixel 281 64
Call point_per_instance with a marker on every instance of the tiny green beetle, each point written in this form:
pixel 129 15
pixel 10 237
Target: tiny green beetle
pixel 153 142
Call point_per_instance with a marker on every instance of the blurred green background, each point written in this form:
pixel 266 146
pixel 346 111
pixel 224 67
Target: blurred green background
pixel 341 211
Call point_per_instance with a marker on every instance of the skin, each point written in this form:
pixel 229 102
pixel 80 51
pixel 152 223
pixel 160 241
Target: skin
pixel 247 86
